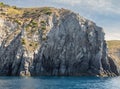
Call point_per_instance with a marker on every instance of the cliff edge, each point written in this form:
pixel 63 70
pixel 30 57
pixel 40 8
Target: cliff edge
pixel 50 41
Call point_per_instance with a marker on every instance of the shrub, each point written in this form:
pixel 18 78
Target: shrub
pixel 14 7
pixel 2 13
pixel 12 11
pixel 27 27
pixel 48 13
pixel 1 4
pixel 36 44
pixel 34 24
pixel 43 27
pixel 18 22
pixel 42 22
pixel 30 44
pixel 23 41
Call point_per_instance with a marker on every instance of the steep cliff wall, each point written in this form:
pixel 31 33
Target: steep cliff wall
pixel 49 41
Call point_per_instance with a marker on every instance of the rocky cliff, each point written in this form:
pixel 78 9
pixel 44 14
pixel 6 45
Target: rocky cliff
pixel 50 41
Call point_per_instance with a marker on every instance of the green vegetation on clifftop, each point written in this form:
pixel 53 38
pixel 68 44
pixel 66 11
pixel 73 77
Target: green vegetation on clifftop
pixel 113 44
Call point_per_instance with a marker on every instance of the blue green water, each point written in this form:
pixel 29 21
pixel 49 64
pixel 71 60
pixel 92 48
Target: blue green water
pixel 59 83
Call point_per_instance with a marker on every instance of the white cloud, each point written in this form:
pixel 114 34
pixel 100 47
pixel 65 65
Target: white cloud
pixel 112 33
pixel 102 6
pixel 71 2
pixel 112 36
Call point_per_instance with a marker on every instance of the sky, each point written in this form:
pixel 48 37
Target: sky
pixel 105 13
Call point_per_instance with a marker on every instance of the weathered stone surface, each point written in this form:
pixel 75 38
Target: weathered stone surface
pixel 62 43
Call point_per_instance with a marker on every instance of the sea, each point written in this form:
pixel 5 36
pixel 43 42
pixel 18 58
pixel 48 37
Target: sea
pixel 50 82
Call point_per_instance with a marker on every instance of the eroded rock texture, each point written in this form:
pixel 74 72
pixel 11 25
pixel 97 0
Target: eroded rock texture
pixel 56 43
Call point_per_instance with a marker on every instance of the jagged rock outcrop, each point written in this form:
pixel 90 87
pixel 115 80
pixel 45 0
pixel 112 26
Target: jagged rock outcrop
pixel 49 41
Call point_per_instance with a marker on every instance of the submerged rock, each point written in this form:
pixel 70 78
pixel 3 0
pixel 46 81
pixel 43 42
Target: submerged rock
pixel 53 42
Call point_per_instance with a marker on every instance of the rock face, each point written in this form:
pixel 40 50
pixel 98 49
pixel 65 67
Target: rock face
pixel 53 42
